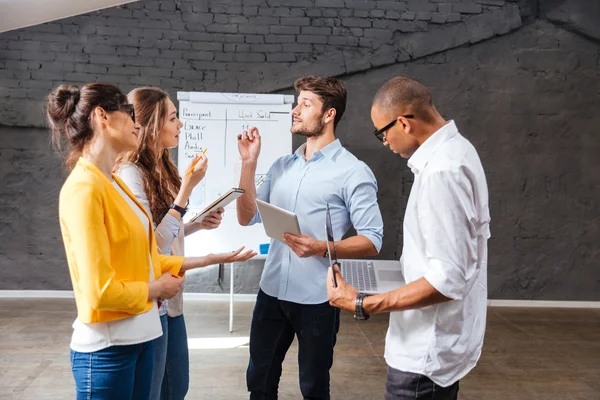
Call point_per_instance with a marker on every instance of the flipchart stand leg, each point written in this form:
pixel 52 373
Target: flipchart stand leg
pixel 221 275
pixel 231 284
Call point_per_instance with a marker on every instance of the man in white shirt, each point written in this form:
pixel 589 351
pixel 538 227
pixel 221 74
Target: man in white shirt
pixel 437 320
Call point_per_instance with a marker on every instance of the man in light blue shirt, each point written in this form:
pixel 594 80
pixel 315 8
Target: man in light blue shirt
pixel 293 296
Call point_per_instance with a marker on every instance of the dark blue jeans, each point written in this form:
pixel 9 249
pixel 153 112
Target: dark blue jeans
pixel 274 324
pixel 160 359
pixel 171 361
pixel 176 380
pixel 114 373
pixel 402 385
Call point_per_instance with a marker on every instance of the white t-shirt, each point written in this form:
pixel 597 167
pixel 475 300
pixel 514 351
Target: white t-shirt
pixel 140 328
pixel 169 232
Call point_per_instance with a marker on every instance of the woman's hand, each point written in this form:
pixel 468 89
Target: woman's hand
pixel 170 285
pixel 236 256
pixel 189 181
pixel 198 262
pixel 165 287
pixel 212 220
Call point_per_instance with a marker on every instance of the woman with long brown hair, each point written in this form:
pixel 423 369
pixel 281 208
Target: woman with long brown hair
pixel 153 177
pixel 116 270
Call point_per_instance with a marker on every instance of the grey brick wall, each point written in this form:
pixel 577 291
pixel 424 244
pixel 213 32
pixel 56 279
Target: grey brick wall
pixel 520 89
pixel 211 44
pixel 527 102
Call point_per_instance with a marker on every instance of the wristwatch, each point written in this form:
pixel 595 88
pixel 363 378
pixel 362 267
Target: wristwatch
pixel 326 252
pixel 179 209
pixel 359 311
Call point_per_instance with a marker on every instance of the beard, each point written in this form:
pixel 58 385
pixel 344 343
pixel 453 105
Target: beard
pixel 313 129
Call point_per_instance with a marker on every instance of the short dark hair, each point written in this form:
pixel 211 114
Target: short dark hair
pixel 405 95
pixel 331 91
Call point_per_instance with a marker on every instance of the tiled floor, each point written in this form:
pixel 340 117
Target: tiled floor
pixel 529 354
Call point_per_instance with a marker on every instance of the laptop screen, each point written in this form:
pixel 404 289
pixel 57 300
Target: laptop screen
pixel 329 235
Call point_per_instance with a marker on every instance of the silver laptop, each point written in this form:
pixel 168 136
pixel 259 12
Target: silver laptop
pixel 368 276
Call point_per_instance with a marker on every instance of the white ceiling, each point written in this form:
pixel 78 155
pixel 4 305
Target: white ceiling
pixel 15 14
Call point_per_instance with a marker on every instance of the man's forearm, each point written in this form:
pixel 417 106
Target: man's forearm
pixel 246 203
pixel 355 247
pixel 417 294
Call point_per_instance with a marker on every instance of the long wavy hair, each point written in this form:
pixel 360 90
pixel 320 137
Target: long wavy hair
pixel 160 175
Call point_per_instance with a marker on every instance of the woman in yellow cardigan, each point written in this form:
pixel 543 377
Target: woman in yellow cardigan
pixel 117 273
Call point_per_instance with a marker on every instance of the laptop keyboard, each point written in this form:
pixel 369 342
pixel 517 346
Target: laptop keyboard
pixel 360 274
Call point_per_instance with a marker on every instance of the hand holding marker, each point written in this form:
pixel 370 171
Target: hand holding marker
pixel 194 164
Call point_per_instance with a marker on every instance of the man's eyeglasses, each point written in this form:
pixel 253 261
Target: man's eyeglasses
pixel 123 107
pixel 380 133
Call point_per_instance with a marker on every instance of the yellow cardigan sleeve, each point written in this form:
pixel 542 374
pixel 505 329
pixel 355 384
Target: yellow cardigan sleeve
pixel 82 216
pixel 171 264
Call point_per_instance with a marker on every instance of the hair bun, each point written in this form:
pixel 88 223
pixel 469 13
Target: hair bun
pixel 74 92
pixel 62 102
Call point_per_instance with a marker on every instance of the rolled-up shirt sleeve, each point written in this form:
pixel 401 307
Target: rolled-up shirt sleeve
pixel 361 201
pixel 166 231
pixel 262 193
pixel 445 209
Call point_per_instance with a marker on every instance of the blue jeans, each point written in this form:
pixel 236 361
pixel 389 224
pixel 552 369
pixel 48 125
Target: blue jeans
pixel 114 373
pixel 160 358
pixel 171 359
pixel 274 324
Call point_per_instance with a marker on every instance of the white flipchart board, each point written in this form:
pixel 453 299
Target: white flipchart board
pixel 213 121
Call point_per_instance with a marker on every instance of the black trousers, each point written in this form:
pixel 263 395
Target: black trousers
pixel 274 324
pixel 402 385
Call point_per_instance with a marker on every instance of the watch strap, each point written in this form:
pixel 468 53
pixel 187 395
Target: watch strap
pixel 359 311
pixel 179 209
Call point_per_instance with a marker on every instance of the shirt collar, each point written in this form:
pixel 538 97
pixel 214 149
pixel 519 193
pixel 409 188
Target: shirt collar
pixel 299 153
pixel 328 151
pixel 419 159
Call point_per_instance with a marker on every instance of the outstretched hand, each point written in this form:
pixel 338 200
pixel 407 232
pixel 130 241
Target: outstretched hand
pixel 236 256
